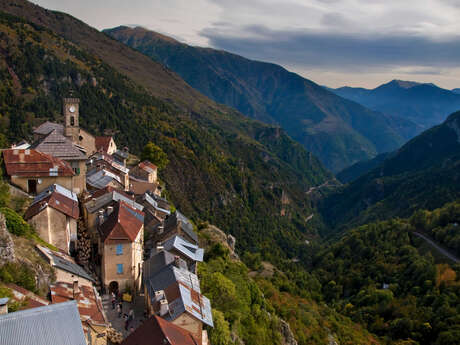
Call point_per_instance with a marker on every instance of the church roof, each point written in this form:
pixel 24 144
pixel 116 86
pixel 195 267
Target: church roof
pixel 57 145
pixel 48 127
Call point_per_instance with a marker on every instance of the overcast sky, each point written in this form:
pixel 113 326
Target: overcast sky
pixel 332 42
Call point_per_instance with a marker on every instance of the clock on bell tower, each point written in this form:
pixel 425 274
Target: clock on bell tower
pixel 71 114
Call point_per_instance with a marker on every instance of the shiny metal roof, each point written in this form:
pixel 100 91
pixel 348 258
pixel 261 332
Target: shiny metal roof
pixel 54 324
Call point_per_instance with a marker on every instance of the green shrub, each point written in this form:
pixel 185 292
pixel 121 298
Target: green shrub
pixel 15 223
pixel 18 274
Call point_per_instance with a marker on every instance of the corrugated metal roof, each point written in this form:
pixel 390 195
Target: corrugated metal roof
pixel 183 299
pixel 152 202
pixel 148 166
pixel 186 225
pixel 190 250
pixel 101 178
pixel 171 274
pixel 108 159
pixel 111 196
pixel 54 324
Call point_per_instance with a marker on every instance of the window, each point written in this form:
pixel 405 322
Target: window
pixel 72 121
pixel 76 171
pixel 119 268
pixel 119 249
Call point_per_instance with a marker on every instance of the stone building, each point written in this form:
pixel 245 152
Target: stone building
pixel 53 214
pixel 65 267
pixel 106 145
pixel 121 248
pixel 34 171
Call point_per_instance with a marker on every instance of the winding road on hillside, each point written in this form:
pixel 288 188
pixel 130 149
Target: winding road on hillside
pixel 440 249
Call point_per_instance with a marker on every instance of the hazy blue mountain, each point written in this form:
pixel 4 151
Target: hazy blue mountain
pixel 340 132
pixel 422 174
pixel 457 91
pixel 424 104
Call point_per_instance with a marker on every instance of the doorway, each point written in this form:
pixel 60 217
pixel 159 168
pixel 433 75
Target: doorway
pixel 32 186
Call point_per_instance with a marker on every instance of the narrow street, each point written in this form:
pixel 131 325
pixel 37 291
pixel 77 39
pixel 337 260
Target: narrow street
pixel 118 323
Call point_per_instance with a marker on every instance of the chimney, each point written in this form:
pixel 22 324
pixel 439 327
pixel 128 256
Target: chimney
pixel 164 307
pixel 100 217
pixel 4 305
pixel 161 228
pixel 159 248
pixel 93 202
pixel 177 261
pixel 159 295
pixel 109 210
pixel 76 289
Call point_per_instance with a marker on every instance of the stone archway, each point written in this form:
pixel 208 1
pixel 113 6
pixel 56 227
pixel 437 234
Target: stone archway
pixel 113 287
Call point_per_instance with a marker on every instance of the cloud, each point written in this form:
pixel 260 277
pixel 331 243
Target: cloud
pixel 338 51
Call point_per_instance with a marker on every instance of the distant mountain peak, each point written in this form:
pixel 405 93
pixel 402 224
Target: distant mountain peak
pixel 404 83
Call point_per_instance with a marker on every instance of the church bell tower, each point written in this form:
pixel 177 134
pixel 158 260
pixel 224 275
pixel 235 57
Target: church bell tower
pixel 71 114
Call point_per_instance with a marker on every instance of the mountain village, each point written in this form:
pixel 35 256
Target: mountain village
pixel 125 260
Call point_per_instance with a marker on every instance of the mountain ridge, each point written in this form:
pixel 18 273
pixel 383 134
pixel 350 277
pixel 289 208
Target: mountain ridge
pixel 223 167
pixel 338 131
pixel 423 173
pixel 425 104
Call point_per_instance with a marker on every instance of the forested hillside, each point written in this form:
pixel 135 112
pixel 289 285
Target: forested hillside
pixel 337 131
pixel 223 167
pixel 423 174
pixel 377 275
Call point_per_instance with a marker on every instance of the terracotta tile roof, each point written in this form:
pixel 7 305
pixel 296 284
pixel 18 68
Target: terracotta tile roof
pixel 102 143
pixel 47 127
pixel 88 300
pixel 159 331
pixel 22 295
pixel 123 224
pixel 148 166
pixel 32 163
pixel 56 197
pixel 57 145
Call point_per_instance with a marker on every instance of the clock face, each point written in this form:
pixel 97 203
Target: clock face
pixel 72 109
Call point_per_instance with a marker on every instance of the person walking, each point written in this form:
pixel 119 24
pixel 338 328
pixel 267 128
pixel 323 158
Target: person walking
pixel 119 310
pixel 113 300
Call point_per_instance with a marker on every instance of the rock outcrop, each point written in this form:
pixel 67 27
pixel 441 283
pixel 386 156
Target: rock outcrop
pixel 212 234
pixel 6 243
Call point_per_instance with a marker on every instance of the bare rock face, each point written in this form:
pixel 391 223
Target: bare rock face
pixel 231 242
pixel 216 235
pixel 6 243
pixel 288 336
